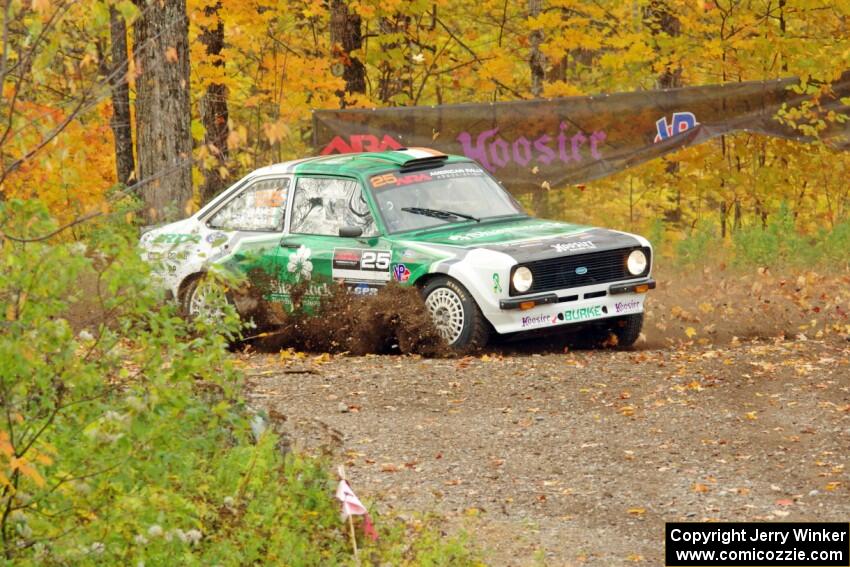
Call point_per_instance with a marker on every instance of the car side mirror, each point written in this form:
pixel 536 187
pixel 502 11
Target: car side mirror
pixel 350 231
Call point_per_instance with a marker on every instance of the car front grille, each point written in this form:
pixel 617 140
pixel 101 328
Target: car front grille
pixel 566 272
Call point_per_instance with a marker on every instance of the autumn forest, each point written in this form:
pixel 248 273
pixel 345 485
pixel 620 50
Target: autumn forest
pixel 175 100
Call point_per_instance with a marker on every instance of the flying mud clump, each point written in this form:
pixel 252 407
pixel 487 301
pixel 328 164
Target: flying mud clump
pixel 392 320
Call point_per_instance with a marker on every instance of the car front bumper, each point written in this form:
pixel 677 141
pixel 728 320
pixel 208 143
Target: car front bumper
pixel 529 301
pixel 570 306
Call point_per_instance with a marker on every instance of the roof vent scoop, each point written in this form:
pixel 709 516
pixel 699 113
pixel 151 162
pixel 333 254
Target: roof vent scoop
pixel 423 158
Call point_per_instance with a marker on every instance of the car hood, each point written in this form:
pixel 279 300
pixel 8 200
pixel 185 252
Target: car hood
pixel 529 239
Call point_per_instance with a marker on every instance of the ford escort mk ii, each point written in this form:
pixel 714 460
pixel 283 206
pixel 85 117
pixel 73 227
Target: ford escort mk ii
pixel 411 217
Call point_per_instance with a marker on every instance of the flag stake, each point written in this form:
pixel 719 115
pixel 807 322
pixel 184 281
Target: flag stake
pixel 341 472
pixel 353 539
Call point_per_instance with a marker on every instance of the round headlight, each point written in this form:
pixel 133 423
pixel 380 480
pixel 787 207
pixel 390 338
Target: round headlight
pixel 636 262
pixel 522 279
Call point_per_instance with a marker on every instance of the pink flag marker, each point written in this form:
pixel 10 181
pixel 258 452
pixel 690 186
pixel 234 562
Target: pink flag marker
pixel 351 506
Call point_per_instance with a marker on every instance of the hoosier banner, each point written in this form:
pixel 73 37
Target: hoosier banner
pixel 532 143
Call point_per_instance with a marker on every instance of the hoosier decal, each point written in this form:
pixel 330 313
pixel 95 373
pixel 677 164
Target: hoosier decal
pixel 631 306
pixel 564 247
pixel 356 265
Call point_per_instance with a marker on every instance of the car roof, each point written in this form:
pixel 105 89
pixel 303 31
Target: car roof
pixel 363 162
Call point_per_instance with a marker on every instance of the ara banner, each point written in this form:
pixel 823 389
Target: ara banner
pixel 552 142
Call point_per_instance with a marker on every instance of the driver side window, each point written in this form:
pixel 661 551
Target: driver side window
pixel 323 205
pixel 259 207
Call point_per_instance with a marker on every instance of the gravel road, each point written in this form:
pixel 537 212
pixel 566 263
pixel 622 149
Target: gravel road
pixel 579 458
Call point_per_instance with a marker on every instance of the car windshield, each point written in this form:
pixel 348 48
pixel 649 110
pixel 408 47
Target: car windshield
pixel 457 192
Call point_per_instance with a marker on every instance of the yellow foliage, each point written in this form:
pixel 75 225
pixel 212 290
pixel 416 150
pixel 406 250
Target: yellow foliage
pixel 277 65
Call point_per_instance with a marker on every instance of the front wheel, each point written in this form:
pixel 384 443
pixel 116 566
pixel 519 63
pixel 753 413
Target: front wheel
pixel 456 316
pixel 627 330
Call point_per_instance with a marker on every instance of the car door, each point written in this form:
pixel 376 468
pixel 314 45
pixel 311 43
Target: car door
pixel 245 230
pixel 333 239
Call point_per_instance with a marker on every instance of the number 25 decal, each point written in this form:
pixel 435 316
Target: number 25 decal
pixel 373 260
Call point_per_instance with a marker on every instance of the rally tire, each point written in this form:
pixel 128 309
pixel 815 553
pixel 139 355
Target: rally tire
pixel 456 314
pixel 628 329
pixel 191 298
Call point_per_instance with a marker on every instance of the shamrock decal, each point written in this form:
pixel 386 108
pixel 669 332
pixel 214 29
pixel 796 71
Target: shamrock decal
pixel 300 264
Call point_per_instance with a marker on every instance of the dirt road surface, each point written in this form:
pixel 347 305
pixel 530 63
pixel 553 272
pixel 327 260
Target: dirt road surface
pixel 579 458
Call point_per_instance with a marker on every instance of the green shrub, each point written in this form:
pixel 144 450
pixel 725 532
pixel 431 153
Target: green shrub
pixel 699 245
pixel 126 442
pixel 777 244
pixel 657 236
pixel 833 247
pixel 755 246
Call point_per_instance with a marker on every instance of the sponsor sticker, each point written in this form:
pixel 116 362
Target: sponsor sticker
pixel 535 320
pixel 629 306
pixel 270 198
pixel 300 263
pixel 176 238
pixel 347 259
pixel 401 273
pixel 395 179
pixel 278 288
pixel 354 264
pixel 564 247
pixel 583 313
pixel 475 235
pixel 281 291
pixel 364 290
pixel 216 238
pixel 457 171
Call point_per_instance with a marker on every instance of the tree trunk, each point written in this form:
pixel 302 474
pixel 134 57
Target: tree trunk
pixel 540 202
pixel 537 60
pixel 163 116
pixel 125 164
pixel 662 20
pixel 213 110
pixel 393 80
pixel 347 36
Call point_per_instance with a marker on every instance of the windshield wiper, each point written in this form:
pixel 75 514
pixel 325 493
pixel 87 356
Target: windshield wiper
pixel 439 214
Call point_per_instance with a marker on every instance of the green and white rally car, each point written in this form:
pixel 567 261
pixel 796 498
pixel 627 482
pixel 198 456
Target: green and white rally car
pixel 418 218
